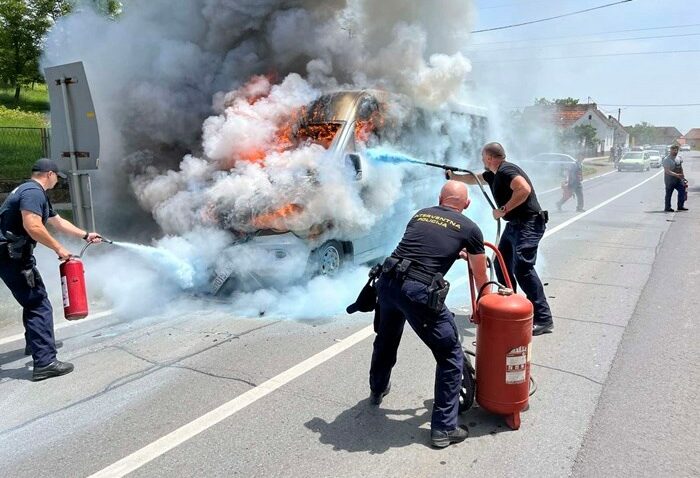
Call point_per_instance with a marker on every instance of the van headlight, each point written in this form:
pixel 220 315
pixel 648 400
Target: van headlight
pixel 280 253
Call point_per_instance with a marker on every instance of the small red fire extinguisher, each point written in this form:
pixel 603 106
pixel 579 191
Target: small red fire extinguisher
pixel 503 349
pixel 75 304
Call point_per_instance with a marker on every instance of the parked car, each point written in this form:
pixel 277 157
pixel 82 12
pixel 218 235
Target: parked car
pixel 685 147
pixel 559 162
pixel 654 158
pixel 661 148
pixel 634 161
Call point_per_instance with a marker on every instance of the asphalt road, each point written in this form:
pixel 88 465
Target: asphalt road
pixel 195 391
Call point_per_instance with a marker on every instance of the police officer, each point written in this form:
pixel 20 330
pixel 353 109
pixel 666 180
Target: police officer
pixel 411 288
pixel 23 218
pixel 674 179
pixel 518 206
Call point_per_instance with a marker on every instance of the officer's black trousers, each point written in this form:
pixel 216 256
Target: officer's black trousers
pixel 37 313
pixel 401 301
pixel 518 246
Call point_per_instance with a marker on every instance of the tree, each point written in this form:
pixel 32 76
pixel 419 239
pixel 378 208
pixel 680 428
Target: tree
pixel 23 26
pixel 568 101
pixel 644 133
pixel 581 138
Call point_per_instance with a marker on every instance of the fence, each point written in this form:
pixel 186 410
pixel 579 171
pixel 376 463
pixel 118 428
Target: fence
pixel 19 148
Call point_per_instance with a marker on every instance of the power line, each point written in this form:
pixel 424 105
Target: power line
pixel 587 35
pixel 587 56
pixel 679 105
pixel 587 42
pixel 551 18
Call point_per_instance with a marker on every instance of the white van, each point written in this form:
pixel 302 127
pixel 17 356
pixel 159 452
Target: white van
pixel 344 123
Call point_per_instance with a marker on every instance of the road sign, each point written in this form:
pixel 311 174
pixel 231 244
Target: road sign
pixel 75 139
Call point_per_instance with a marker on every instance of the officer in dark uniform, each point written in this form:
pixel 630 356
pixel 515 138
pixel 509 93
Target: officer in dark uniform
pixel 674 179
pixel 411 288
pixel 23 217
pixel 518 206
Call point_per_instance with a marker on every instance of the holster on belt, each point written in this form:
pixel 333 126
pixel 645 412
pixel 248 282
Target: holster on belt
pixel 437 293
pixel 18 247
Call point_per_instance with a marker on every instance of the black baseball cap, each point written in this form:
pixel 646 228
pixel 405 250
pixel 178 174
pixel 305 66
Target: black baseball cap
pixel 44 165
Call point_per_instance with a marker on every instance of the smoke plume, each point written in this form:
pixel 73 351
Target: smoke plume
pixel 196 100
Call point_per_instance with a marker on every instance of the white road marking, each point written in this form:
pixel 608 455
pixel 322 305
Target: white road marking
pixel 68 323
pixel 166 443
pixel 171 440
pixel 463 279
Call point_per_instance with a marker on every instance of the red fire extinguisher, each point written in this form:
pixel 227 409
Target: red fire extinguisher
pixel 503 348
pixel 75 304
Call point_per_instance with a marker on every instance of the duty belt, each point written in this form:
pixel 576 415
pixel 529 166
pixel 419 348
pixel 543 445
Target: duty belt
pixel 393 265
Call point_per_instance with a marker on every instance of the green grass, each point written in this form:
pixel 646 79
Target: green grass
pixel 20 141
pixel 30 99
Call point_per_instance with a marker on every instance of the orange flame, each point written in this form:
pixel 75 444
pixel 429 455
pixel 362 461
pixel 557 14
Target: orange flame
pixel 276 220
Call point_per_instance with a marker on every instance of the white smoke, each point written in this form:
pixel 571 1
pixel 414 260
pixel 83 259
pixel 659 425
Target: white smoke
pixel 192 96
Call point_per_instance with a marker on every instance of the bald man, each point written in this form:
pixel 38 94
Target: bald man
pixel 411 288
pixel 525 225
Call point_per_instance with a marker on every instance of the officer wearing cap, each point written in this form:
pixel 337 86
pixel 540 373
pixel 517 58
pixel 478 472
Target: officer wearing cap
pixel 23 219
pixel 411 288
pixel 518 206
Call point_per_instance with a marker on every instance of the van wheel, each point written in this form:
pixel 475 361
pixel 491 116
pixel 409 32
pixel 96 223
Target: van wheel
pixel 328 259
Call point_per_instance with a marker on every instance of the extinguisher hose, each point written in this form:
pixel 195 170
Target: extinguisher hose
pixel 103 239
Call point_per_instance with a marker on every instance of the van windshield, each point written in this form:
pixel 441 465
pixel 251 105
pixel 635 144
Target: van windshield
pixel 636 155
pixel 317 133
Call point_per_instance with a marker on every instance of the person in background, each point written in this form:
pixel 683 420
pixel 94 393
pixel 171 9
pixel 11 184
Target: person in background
pixel 674 179
pixel 573 185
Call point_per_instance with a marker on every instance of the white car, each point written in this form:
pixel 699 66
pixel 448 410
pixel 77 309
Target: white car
pixel 634 161
pixel 685 147
pixel 654 158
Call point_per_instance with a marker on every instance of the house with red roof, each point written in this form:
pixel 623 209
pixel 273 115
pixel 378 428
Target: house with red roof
pixel 569 116
pixel 692 138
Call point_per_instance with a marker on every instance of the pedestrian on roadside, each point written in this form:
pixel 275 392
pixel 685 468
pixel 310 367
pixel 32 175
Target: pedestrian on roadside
pixel 23 219
pixel 674 179
pixel 573 185
pixel 411 288
pixel 526 222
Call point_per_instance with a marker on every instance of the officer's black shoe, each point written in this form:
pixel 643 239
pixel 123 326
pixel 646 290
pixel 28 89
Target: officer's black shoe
pixel 668 209
pixel 546 328
pixel 682 208
pixel 580 209
pixel 54 369
pixel 441 439
pixel 375 398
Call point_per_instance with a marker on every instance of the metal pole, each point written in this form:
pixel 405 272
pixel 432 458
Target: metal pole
pixel 76 189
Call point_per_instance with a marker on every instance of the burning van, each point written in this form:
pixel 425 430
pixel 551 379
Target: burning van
pixel 348 124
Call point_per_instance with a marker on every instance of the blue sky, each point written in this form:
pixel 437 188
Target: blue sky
pixel 667 78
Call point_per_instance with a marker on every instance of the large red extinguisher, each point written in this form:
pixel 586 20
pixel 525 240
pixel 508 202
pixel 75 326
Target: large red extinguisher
pixel 503 348
pixel 75 303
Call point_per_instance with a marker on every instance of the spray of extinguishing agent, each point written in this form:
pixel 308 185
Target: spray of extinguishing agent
pixel 72 271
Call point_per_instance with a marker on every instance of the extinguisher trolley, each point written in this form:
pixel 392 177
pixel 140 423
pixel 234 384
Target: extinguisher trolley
pixel 503 347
